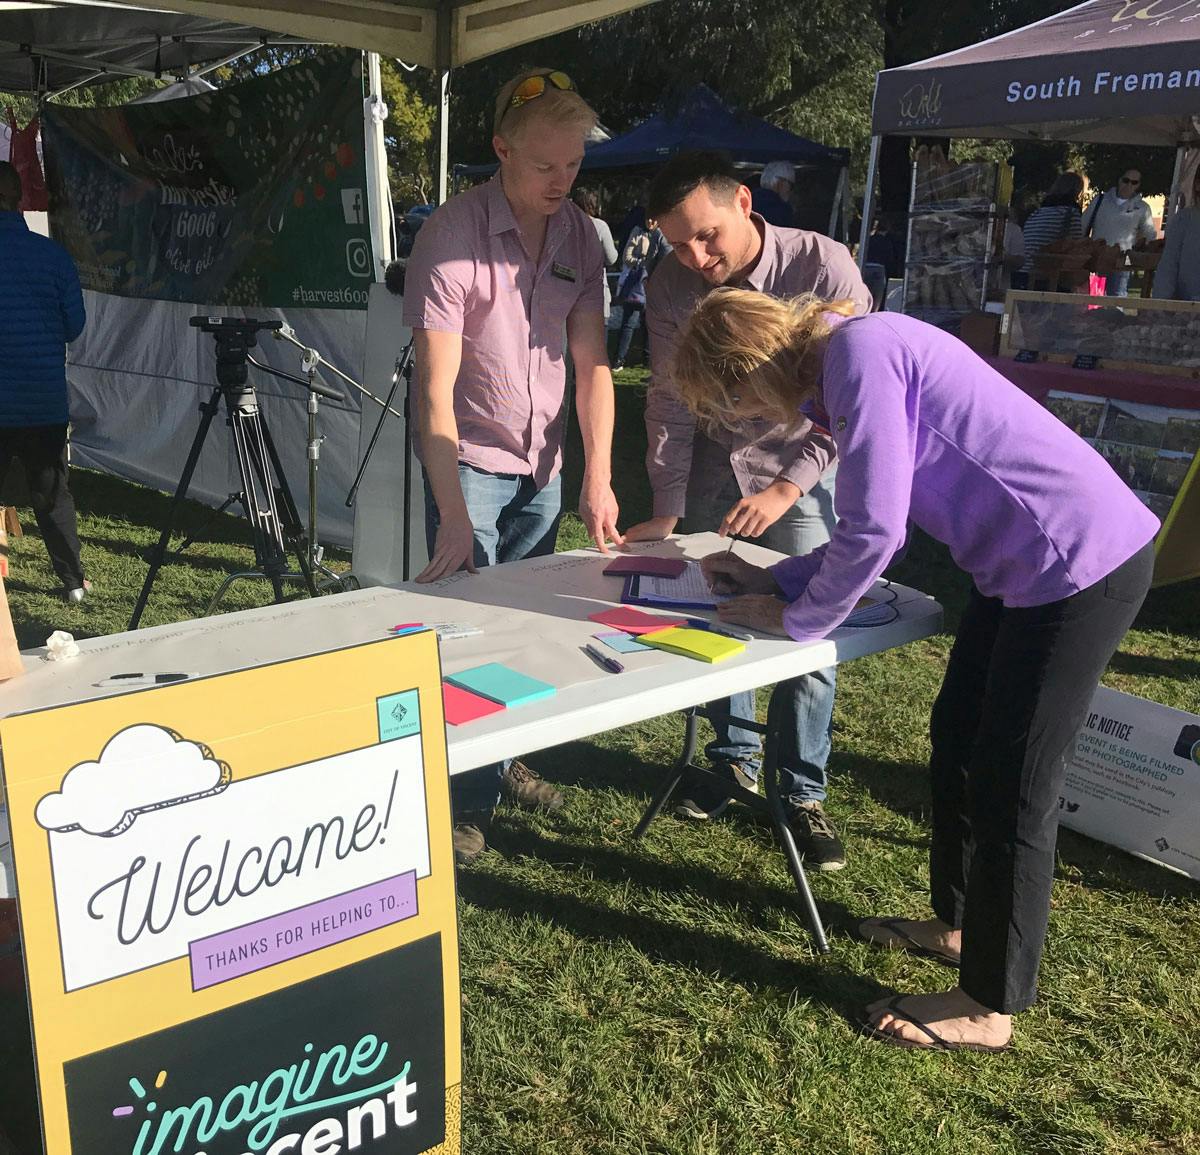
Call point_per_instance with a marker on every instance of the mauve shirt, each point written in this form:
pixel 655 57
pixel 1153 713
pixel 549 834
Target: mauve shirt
pixel 470 274
pixel 792 261
pixel 926 431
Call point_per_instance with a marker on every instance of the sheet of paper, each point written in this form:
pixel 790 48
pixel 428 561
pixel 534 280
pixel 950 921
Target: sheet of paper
pixel 690 587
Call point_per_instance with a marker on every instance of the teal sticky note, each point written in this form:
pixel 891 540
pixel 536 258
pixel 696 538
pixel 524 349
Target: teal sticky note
pixel 399 715
pixel 500 684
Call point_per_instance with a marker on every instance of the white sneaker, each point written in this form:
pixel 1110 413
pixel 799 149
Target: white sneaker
pixel 76 595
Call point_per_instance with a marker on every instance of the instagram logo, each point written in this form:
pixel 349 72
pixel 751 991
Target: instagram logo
pixel 358 257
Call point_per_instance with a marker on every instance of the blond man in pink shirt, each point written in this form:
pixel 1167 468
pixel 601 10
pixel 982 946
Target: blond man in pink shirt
pixel 503 280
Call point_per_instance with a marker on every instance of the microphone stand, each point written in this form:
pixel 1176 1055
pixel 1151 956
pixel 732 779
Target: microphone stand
pixel 310 361
pixel 402 372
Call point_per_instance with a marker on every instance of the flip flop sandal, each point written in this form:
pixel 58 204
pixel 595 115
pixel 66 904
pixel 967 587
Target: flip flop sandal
pixel 936 1042
pixel 893 927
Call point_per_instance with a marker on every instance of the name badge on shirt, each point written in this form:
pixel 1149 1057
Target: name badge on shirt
pixel 563 272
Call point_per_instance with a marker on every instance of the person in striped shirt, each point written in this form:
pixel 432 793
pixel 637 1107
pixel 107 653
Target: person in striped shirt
pixel 1059 216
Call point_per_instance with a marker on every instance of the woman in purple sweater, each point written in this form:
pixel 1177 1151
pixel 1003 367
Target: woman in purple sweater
pixel 1060 554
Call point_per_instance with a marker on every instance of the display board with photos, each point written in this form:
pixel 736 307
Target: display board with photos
pixel 1151 447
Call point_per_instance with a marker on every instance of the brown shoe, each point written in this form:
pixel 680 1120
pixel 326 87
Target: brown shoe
pixel 469 840
pixel 524 787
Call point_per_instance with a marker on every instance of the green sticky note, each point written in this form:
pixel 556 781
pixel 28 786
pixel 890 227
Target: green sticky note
pixel 399 715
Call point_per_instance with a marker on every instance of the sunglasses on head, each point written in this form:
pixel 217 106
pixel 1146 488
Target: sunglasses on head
pixel 534 86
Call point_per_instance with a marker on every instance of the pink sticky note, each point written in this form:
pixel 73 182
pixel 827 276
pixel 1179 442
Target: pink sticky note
pixel 634 621
pixel 463 706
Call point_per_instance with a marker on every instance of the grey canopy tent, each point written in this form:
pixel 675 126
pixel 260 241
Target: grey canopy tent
pixel 1106 71
pixel 50 48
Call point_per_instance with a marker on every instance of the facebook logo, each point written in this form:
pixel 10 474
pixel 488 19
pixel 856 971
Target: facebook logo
pixel 354 206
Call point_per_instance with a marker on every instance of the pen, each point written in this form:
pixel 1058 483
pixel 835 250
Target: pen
pixel 719 628
pixel 140 679
pixel 610 664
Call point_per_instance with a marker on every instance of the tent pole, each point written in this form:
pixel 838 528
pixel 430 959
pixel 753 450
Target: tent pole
pixel 839 196
pixel 444 54
pixel 443 136
pixel 206 69
pixel 1173 197
pixel 868 201
pixel 379 199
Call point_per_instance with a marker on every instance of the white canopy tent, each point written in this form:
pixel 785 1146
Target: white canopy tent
pixel 438 34
pixel 132 359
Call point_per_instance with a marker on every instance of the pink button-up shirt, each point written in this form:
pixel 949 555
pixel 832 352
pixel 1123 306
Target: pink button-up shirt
pixel 793 261
pixel 470 274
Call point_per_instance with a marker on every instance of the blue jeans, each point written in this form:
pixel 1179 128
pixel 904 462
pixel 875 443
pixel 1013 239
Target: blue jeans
pixel 806 724
pixel 1117 284
pixel 630 324
pixel 513 520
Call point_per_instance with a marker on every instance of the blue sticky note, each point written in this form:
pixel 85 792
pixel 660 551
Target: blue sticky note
pixel 500 684
pixel 399 715
pixel 622 643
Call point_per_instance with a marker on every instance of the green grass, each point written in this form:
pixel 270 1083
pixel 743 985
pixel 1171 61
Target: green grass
pixel 663 997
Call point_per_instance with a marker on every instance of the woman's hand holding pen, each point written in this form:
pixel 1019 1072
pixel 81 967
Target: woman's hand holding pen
pixel 726 573
pixel 756 606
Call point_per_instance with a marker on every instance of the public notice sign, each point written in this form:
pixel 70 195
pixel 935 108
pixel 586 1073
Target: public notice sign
pixel 252 195
pixel 237 906
pixel 1133 780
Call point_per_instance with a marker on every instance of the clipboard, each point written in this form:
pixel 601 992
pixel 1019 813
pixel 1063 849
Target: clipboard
pixel 633 596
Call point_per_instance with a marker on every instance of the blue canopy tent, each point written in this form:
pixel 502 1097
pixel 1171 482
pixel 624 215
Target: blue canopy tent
pixel 703 120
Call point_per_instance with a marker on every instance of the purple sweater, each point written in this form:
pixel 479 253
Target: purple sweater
pixel 928 432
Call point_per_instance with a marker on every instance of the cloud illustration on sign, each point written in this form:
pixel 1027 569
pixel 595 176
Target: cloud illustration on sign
pixel 142 768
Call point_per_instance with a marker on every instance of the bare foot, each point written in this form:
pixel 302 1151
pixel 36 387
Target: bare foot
pixel 929 935
pixel 956 1018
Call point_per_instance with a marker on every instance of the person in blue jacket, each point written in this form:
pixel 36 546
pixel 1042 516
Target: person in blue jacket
pixel 41 311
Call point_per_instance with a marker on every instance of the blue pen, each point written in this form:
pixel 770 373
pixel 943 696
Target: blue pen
pixel 720 628
pixel 610 664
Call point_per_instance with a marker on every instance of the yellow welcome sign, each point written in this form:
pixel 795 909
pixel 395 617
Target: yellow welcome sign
pixel 237 908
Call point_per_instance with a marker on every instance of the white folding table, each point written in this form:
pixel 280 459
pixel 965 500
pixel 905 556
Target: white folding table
pixel 534 617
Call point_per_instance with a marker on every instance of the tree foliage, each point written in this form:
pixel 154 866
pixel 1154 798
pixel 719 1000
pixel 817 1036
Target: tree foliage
pixel 408 132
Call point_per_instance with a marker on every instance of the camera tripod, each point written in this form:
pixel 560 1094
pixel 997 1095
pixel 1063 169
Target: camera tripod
pixel 264 495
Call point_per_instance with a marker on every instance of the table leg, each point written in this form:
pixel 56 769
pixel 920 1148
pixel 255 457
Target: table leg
pixel 770 779
pixel 667 787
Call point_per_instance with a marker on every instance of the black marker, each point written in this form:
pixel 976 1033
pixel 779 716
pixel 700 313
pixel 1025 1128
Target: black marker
pixel 140 679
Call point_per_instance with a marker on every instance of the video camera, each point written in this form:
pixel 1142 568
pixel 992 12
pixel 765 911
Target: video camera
pixel 235 337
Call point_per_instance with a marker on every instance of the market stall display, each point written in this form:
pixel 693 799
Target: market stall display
pixel 1153 336
pixel 955 226
pixel 1103 344
pixel 1068 263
